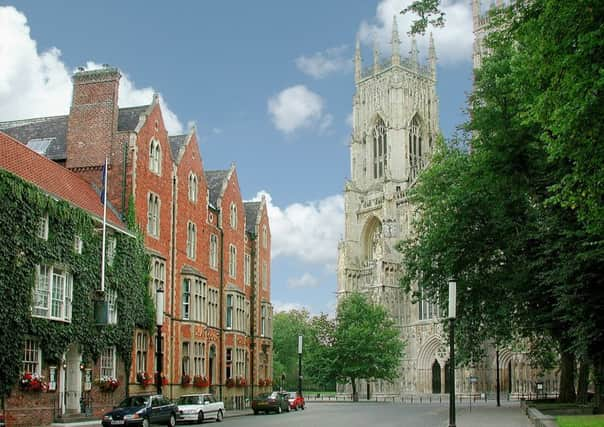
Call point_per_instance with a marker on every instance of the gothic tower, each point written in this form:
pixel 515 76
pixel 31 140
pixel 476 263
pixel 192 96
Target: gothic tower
pixel 395 124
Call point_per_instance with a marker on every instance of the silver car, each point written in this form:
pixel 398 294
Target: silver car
pixel 198 408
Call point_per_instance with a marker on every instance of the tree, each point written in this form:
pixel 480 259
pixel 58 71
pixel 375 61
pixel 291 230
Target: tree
pixel 366 343
pixel 286 328
pixel 318 356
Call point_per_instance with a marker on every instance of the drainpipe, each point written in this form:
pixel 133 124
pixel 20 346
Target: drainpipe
pixel 221 291
pixel 172 278
pixel 253 311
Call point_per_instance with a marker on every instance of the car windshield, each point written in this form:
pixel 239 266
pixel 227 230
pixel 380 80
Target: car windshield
pixel 133 401
pixel 189 400
pixel 292 394
pixel 274 395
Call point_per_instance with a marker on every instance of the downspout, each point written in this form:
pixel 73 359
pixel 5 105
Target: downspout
pixel 172 276
pixel 253 311
pixel 221 358
pixel 124 171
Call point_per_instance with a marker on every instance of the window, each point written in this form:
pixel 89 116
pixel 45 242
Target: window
pixel 240 312
pixel 233 216
pixel 232 261
pixel 191 240
pixel 141 352
pixel 153 215
pixel 229 311
pixel 213 307
pixel 186 369
pixel 264 275
pixel 427 309
pixel 264 237
pixel 158 277
pixel 53 293
pixel 78 245
pixel 199 349
pixel 199 300
pixel 213 251
pixel 379 149
pixel 43 228
pixel 111 250
pixel 193 187
pixel 247 269
pixel 415 147
pixel 108 362
pixel 32 358
pixel 155 157
pixel 263 321
pixel 111 300
pixel 186 298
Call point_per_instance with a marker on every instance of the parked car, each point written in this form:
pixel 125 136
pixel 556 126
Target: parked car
pixel 296 401
pixel 142 410
pixel 199 407
pixel 271 402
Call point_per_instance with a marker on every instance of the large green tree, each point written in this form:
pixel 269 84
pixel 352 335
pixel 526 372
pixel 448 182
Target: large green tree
pixel 366 343
pixel 286 328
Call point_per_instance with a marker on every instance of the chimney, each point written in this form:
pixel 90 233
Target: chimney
pixel 92 122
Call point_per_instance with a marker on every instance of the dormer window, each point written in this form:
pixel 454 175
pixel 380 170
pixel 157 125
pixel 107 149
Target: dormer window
pixel 193 187
pixel 155 157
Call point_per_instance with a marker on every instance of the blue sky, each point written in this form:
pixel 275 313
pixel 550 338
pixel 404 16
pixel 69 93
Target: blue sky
pixel 268 84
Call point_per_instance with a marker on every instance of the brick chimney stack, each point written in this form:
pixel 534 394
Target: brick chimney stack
pixel 92 123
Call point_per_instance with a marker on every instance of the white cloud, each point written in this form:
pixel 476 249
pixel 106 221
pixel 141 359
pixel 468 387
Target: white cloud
pixel 307 231
pixel 453 42
pixel 321 64
pixel 349 120
pixel 297 107
pixel 281 306
pixel 34 84
pixel 307 280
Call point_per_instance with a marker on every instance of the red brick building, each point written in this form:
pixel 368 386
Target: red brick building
pixel 210 251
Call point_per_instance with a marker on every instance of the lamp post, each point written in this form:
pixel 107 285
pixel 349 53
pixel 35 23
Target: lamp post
pixel 452 304
pixel 300 365
pixel 159 321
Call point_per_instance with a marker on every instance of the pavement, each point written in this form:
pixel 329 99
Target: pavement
pixel 492 416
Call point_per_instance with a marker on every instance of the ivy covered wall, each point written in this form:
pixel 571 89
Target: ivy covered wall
pixel 21 207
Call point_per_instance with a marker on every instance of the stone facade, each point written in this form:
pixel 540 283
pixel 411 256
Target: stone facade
pixel 395 123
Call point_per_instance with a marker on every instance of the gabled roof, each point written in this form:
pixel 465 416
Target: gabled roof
pixel 216 180
pixel 54 129
pixel 176 143
pixel 52 178
pixel 252 210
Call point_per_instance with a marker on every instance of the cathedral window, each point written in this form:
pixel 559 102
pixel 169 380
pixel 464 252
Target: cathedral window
pixel 379 149
pixel 415 147
pixel 427 309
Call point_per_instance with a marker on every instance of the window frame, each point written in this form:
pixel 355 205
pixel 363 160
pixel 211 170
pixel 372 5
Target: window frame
pixel 31 347
pixel 55 297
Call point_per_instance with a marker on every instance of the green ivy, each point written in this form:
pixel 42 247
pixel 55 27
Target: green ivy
pixel 21 207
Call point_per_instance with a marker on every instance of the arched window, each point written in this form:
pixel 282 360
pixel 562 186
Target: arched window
pixel 379 149
pixel 193 187
pixel 373 240
pixel 415 147
pixel 191 240
pixel 155 157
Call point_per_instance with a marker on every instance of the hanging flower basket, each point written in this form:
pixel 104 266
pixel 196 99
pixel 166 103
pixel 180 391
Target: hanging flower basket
pixel 185 380
pixel 200 381
pixel 164 380
pixel 240 382
pixel 33 382
pixel 107 384
pixel 144 378
pixel 230 382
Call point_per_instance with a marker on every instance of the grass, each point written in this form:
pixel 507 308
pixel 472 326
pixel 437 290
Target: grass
pixel 581 421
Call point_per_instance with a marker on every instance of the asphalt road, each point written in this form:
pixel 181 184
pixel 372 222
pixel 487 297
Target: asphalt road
pixel 349 415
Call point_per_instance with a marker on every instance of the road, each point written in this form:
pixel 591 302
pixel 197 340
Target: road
pixel 350 415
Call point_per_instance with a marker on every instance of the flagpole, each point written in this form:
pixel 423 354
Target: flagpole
pixel 104 225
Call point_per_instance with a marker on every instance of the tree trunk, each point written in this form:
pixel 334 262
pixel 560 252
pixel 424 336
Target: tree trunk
pixel 599 380
pixel 355 394
pixel 583 382
pixel 567 377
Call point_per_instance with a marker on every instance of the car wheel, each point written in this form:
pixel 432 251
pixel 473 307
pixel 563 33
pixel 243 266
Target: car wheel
pixel 296 408
pixel 200 417
pixel 146 422
pixel 255 412
pixel 302 407
pixel 219 416
pixel 171 421
pixel 288 409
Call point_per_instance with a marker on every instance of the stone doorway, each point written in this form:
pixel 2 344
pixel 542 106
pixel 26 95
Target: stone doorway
pixel 72 380
pixel 436 378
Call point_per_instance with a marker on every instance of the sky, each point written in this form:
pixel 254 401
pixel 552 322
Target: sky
pixel 268 85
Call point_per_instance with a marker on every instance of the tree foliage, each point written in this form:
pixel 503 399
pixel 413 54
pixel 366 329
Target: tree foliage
pixel 428 12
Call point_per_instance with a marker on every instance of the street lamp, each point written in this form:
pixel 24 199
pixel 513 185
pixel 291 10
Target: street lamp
pixel 159 321
pixel 452 304
pixel 300 365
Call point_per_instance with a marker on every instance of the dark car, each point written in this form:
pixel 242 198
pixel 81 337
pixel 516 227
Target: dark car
pixel 142 411
pixel 271 402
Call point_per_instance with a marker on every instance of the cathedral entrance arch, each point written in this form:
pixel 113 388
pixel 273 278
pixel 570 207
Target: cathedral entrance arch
pixel 372 239
pixel 436 377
